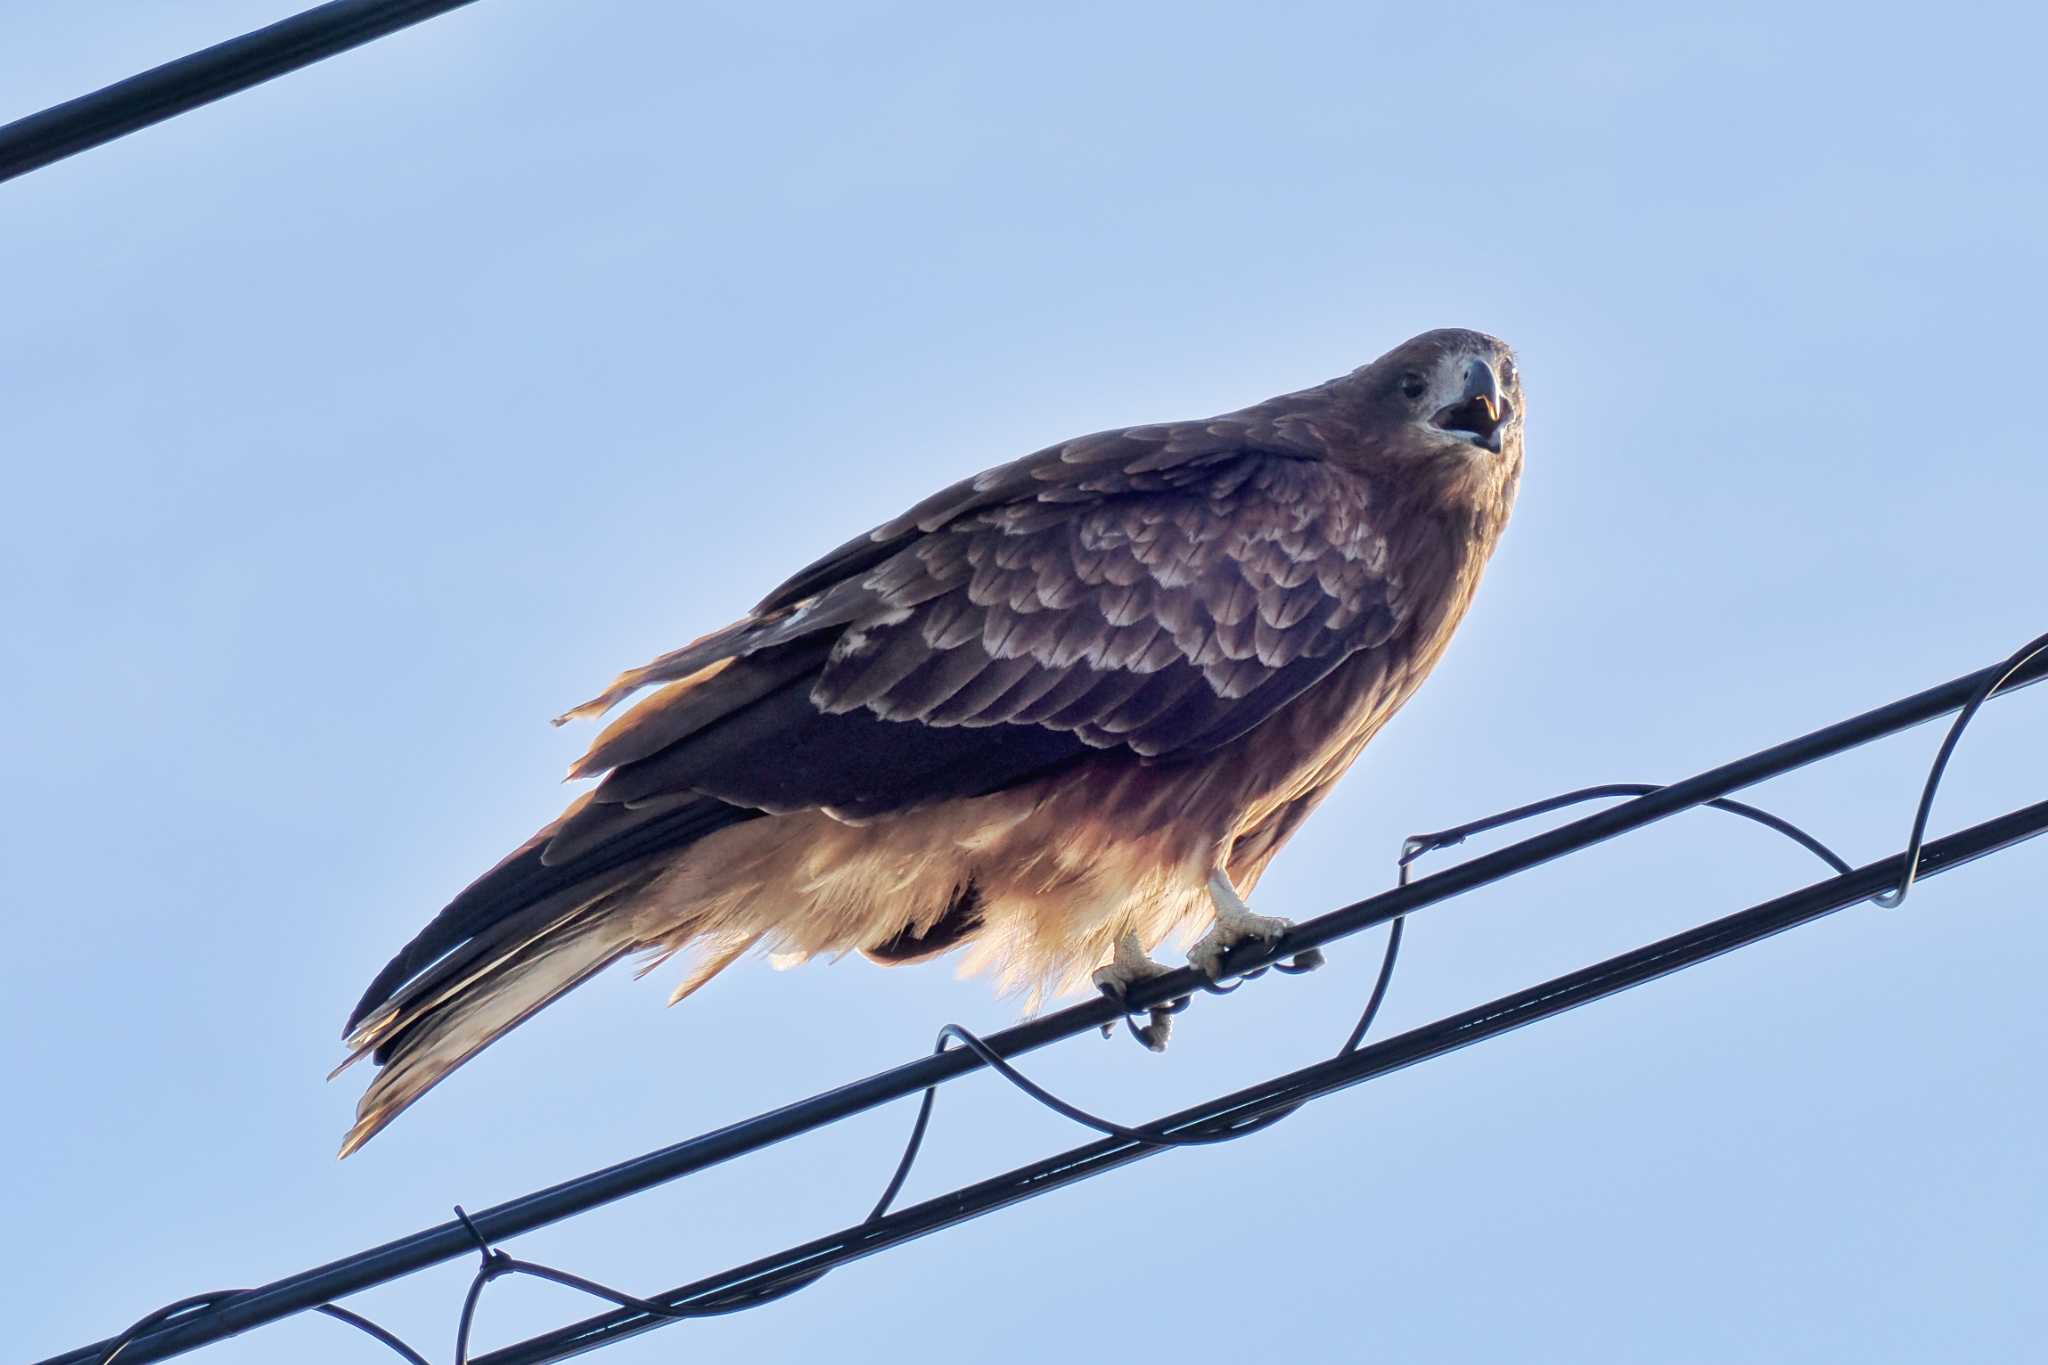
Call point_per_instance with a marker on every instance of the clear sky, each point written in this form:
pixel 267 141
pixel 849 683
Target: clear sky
pixel 356 425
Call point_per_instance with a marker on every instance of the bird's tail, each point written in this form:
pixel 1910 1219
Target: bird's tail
pixel 542 921
pixel 421 1035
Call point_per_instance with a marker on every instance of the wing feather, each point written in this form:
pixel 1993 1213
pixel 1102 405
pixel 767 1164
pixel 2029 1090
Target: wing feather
pixel 1158 591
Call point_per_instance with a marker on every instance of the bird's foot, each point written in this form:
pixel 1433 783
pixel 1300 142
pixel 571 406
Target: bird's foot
pixel 1128 968
pixel 1235 924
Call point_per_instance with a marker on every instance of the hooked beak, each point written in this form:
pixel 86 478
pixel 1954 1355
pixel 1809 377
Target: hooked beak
pixel 1480 412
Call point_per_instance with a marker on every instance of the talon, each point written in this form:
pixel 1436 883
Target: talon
pixel 1125 970
pixel 1207 958
pixel 1235 923
pixel 1111 982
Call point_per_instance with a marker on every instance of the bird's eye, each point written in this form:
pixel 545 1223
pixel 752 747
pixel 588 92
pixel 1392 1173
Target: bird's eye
pixel 1414 385
pixel 1507 373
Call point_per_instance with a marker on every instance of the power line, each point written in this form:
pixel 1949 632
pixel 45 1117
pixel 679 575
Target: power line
pixel 1252 1106
pixel 166 91
pixel 214 1317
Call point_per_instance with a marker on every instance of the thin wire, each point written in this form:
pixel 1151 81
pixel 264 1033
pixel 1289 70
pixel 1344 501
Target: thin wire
pixel 1384 980
pixel 200 1302
pixel 496 1264
pixel 998 1064
pixel 383 1334
pixel 163 1315
pixel 2014 662
pixel 1415 846
pixel 1420 844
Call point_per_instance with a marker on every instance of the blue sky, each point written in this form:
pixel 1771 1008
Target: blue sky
pixel 356 425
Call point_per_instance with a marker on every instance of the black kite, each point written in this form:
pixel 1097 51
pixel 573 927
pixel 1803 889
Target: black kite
pixel 1048 716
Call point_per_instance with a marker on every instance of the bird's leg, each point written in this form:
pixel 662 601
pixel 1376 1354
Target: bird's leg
pixel 1126 969
pixel 1235 923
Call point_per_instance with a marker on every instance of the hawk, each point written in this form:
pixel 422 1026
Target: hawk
pixel 1046 718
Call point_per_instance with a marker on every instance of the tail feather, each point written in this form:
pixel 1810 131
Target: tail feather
pixel 488 899
pixel 420 1042
pixel 475 963
pixel 471 923
pixel 515 939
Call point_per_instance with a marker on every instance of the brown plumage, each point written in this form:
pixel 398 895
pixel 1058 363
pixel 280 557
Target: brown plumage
pixel 1028 719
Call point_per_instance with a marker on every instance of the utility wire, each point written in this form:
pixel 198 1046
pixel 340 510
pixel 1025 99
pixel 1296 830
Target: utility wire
pixel 166 91
pixel 196 1322
pixel 1255 1106
pixel 1224 1119
pixel 1592 983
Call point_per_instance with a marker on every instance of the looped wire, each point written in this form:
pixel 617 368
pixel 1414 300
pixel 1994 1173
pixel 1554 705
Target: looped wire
pixel 1986 690
pixel 169 1313
pixel 496 1263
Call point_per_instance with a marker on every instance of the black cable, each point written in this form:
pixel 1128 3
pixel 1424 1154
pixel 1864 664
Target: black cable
pixel 166 91
pixel 209 1318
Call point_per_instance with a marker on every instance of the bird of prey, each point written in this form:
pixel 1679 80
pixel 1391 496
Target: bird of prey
pixel 1047 717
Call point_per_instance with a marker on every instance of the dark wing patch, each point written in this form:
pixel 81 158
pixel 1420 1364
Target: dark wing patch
pixel 782 754
pixel 1037 490
pixel 1012 642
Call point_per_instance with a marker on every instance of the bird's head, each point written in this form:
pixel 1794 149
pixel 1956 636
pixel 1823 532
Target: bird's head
pixel 1445 393
pixel 1437 421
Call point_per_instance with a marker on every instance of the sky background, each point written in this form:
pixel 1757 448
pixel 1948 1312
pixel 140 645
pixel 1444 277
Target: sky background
pixel 358 424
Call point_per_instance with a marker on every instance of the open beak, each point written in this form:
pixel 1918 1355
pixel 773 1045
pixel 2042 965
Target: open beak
pixel 1480 411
